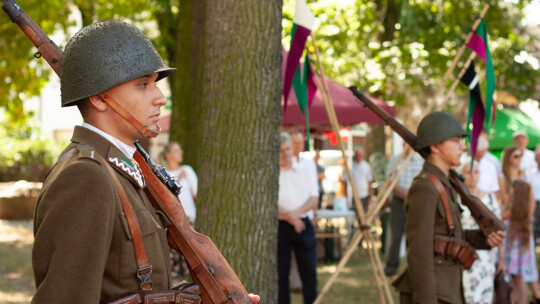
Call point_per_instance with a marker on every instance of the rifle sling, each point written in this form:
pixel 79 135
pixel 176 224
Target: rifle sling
pixel 145 270
pixel 442 192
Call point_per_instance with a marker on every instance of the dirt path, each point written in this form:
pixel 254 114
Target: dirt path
pixel 16 279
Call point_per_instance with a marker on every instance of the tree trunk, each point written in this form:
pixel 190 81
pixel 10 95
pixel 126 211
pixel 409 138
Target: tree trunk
pixel 227 118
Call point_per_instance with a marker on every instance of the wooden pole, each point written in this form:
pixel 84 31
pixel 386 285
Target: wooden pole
pixel 322 84
pixel 461 72
pixel 387 181
pixel 353 244
pixel 456 59
pixel 373 211
pixel 432 103
pixel 361 213
pixel 359 207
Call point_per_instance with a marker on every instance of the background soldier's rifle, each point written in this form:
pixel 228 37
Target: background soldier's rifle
pixel 208 267
pixel 485 219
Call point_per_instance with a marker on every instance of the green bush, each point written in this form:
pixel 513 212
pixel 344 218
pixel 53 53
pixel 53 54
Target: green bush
pixel 26 153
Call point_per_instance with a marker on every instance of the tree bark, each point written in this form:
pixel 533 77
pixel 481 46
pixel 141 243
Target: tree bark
pixel 227 116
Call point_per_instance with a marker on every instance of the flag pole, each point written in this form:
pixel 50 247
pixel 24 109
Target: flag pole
pixel 386 184
pixel 461 72
pixel 383 196
pixel 380 279
pixel 456 59
pixel 377 205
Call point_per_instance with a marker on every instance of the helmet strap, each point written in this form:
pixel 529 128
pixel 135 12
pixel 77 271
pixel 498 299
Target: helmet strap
pixel 447 156
pixel 144 130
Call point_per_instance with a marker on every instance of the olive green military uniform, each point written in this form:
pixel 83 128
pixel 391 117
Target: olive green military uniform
pixel 429 278
pixel 83 251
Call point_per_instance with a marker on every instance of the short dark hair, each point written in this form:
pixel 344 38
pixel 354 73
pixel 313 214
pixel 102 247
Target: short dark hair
pixel 425 152
pixel 82 105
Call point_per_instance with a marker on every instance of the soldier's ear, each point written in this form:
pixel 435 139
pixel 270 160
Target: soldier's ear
pixel 97 103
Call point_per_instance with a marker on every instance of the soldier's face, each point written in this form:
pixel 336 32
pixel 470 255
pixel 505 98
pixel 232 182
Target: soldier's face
pixel 142 99
pixel 454 147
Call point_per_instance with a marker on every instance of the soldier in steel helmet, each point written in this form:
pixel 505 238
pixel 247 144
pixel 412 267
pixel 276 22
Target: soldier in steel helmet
pixel 430 277
pixel 84 250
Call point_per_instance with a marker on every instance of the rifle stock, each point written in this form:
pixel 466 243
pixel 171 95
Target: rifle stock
pixel 485 219
pixel 208 267
pixel 46 47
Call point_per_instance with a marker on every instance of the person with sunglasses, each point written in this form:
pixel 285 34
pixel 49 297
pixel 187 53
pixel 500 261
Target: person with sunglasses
pixel 527 163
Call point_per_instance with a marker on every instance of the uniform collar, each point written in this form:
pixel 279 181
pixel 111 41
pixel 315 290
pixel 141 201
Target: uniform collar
pixel 120 162
pixel 125 148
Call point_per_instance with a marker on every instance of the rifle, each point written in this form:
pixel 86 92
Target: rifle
pixel 485 219
pixel 208 267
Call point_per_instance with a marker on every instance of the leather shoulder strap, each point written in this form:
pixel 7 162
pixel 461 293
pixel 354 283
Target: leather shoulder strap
pixel 442 192
pixel 145 269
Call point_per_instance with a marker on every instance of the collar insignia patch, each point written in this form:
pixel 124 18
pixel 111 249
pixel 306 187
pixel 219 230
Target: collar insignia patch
pixel 132 171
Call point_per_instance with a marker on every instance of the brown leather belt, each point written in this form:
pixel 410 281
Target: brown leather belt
pixel 145 269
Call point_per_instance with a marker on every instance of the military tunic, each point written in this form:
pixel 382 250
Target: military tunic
pixel 429 278
pixel 83 250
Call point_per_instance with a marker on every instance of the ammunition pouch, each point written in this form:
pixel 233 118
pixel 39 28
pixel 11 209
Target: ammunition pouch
pixel 454 249
pixel 188 295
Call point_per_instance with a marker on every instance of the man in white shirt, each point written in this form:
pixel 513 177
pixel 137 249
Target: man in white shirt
pixel 298 146
pixel 363 177
pixel 527 164
pixel 488 180
pixel 296 200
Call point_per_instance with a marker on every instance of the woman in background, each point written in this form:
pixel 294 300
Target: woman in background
pixel 510 166
pixel 519 245
pixel 478 280
pixel 172 154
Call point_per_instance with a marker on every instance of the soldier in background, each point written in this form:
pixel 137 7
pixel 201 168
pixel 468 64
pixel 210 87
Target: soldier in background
pixel 429 277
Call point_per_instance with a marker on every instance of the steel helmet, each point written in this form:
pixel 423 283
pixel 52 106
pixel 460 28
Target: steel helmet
pixel 103 55
pixel 437 127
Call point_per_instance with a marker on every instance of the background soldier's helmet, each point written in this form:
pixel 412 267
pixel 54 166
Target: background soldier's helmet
pixel 437 127
pixel 103 55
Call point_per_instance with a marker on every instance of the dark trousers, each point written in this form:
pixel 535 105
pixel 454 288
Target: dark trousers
pixel 397 227
pixel 304 246
pixel 364 204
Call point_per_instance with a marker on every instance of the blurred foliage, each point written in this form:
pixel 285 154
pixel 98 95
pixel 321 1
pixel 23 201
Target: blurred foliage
pixel 22 75
pixel 27 153
pixel 399 50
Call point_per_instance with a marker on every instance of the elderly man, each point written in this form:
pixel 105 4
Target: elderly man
pixel 296 201
pixel 527 164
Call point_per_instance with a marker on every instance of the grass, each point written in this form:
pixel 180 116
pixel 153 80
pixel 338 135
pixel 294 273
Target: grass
pixel 355 283
pixel 16 277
